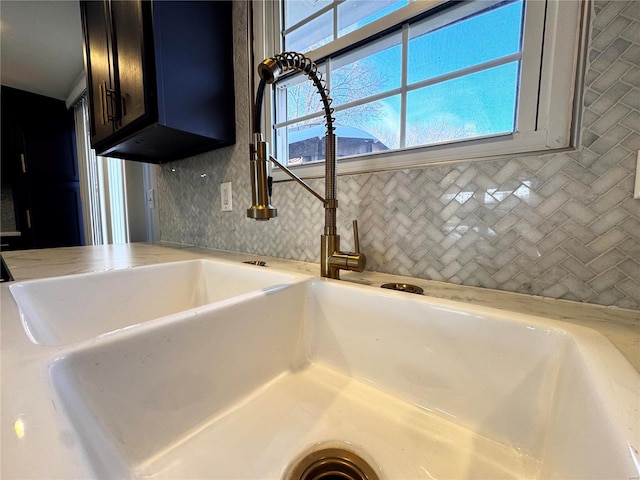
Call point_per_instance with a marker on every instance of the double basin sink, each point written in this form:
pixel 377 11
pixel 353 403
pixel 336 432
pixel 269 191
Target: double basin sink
pixel 210 369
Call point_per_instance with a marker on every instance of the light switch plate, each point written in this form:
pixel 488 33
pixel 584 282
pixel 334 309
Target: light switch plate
pixel 636 188
pixel 225 197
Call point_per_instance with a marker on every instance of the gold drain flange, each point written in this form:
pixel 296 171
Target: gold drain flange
pixel 332 464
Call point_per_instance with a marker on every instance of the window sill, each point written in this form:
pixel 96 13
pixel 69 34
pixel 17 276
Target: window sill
pixel 491 148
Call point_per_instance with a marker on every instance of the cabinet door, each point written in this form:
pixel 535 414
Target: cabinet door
pixel 49 215
pixel 128 40
pixel 12 158
pixel 99 68
pixel 39 140
pixel 49 141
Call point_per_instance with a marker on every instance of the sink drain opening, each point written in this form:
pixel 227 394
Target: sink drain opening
pixel 332 464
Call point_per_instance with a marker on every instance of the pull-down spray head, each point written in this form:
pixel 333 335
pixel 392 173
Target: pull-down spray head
pixel 269 71
pixel 261 180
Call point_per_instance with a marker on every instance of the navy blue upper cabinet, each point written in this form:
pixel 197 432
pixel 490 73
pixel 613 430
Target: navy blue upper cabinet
pixel 159 77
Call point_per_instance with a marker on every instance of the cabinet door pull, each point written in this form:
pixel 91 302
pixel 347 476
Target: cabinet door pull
pixel 110 99
pixel 28 219
pixel 23 163
pixel 123 109
pixel 103 101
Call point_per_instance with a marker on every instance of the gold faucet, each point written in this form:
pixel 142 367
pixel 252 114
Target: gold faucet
pixel 332 260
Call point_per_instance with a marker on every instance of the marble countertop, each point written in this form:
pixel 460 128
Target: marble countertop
pixel 30 418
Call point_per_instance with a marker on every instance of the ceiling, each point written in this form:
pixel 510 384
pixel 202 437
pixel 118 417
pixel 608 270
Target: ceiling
pixel 41 46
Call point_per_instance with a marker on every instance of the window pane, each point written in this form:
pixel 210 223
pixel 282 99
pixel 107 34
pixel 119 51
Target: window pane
pixel 488 36
pixel 297 10
pixel 311 35
pixel 363 129
pixel 480 104
pixel 367 72
pixel 301 97
pixel 379 119
pixel 353 14
pixel 304 142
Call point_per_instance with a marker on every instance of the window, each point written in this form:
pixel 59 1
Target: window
pixel 419 82
pixel 102 188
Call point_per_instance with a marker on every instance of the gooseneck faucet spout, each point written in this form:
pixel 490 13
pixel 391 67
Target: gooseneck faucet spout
pixel 332 260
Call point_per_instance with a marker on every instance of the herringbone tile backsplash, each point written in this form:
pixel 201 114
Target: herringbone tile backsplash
pixel 559 225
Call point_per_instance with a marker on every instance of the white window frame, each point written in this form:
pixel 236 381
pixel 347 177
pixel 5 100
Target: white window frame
pixel 546 121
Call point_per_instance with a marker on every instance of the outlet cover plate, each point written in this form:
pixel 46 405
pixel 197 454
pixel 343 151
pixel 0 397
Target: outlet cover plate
pixel 225 197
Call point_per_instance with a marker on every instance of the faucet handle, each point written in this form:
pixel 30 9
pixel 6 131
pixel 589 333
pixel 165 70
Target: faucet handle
pixel 356 261
pixel 336 261
pixel 356 237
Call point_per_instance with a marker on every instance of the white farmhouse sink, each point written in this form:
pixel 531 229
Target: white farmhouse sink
pixel 69 309
pixel 420 388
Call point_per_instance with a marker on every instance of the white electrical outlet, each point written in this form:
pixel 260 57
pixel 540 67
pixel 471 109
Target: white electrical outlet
pixel 225 197
pixel 636 188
